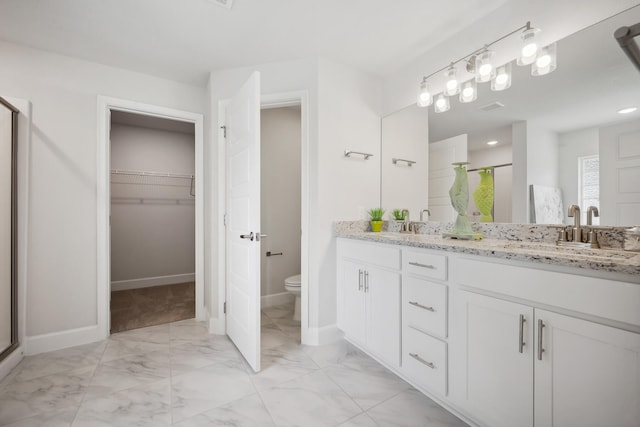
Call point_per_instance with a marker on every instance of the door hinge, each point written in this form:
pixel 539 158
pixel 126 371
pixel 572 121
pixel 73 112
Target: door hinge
pixel 224 131
pixel 224 308
pixel 224 220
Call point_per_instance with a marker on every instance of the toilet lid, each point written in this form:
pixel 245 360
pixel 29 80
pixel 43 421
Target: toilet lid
pixel 293 280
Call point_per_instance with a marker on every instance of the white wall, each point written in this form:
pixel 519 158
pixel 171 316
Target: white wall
pixel 280 162
pixel 152 219
pixel 61 292
pixel 500 154
pixel 405 135
pixel 572 145
pixel 344 113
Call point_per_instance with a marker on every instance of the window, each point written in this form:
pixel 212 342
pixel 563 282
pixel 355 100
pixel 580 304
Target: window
pixel 589 185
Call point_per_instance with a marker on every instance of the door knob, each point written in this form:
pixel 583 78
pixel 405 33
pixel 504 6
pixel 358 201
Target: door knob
pixel 260 236
pixel 247 236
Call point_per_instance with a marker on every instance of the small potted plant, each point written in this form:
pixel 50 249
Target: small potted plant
pixel 399 214
pixel 376 219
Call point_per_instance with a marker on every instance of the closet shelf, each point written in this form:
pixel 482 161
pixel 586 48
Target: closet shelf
pixel 122 177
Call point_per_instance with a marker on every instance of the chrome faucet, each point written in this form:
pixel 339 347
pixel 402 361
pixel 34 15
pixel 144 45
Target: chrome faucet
pixel 423 211
pixel 591 212
pixel 574 212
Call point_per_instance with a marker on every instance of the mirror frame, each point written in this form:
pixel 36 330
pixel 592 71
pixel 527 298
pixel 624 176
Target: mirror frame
pixel 14 228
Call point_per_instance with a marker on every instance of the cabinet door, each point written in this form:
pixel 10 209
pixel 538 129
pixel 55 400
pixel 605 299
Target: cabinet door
pixel 353 313
pixel 494 378
pixel 383 314
pixel 588 375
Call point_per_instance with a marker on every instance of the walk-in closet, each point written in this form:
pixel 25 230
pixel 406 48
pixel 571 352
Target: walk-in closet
pixel 152 219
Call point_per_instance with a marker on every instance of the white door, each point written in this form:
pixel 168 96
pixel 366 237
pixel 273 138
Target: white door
pixel 242 144
pixel 619 190
pixel 588 374
pixel 441 175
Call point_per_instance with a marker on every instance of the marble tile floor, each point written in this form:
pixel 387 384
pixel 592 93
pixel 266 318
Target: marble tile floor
pixel 179 375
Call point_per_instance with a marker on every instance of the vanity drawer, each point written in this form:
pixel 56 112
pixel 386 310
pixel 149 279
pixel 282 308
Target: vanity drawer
pixel 425 264
pixel 424 305
pixel 371 253
pixel 424 360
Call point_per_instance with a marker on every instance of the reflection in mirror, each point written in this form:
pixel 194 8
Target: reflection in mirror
pixel 8 297
pixel 551 128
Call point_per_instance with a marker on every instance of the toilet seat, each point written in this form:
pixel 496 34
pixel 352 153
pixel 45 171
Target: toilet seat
pixel 293 281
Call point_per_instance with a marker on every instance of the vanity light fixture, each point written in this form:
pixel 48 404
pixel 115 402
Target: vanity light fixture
pixel 481 64
pixel 627 110
pixel 494 142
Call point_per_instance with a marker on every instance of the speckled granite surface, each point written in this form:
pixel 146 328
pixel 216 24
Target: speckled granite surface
pixel 521 242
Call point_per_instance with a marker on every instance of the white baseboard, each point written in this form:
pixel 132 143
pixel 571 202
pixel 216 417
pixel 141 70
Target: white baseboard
pixel 276 299
pixel 59 340
pixel 323 335
pixel 11 361
pixel 147 282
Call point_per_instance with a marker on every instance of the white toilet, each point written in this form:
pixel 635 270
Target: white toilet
pixel 292 285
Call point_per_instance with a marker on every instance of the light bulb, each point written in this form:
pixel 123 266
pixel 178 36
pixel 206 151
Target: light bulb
pixel 424 97
pixel 529 48
pixel 442 104
pixel 469 91
pixel 502 79
pixel 452 87
pixel 485 69
pixel 484 66
pixel 543 61
pixel 546 61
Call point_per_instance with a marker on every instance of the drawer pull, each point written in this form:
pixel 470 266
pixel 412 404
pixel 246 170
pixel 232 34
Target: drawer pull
pixel 417 264
pixel 424 307
pixel 421 360
pixel 360 279
pixel 540 349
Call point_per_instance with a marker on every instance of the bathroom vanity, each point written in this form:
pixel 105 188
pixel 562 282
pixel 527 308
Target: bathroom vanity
pixel 500 332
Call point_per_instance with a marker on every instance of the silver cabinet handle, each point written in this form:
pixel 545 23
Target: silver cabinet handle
pixel 421 360
pixel 366 281
pixel 417 304
pixel 417 264
pixel 540 349
pixel 359 279
pixel 247 236
pixel 521 336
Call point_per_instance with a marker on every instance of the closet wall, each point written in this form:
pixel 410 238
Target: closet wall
pixel 152 218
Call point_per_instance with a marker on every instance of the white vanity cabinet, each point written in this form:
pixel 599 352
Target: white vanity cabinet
pixel 369 297
pixel 516 363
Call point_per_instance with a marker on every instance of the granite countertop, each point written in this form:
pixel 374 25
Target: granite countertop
pixel 606 260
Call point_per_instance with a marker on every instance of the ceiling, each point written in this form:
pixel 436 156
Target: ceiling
pixel 594 79
pixel 184 40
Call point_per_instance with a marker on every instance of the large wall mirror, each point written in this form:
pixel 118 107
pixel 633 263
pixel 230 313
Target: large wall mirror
pixel 8 197
pixel 551 127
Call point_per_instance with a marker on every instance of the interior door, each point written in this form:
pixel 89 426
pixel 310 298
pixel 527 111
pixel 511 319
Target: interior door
pixel 242 143
pixel 441 175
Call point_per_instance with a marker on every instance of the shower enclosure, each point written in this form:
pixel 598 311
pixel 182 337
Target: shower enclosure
pixel 8 229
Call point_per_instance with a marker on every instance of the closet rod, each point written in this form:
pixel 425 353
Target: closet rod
pixel 150 173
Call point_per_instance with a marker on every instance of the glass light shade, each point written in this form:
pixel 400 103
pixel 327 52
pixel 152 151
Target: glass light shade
pixel 469 91
pixel 484 66
pixel 441 104
pixel 502 79
pixel 452 87
pixel 529 48
pixel 424 97
pixel 545 62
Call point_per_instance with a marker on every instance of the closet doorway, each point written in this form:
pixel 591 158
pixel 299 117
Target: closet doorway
pixel 152 221
pixel 150 216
